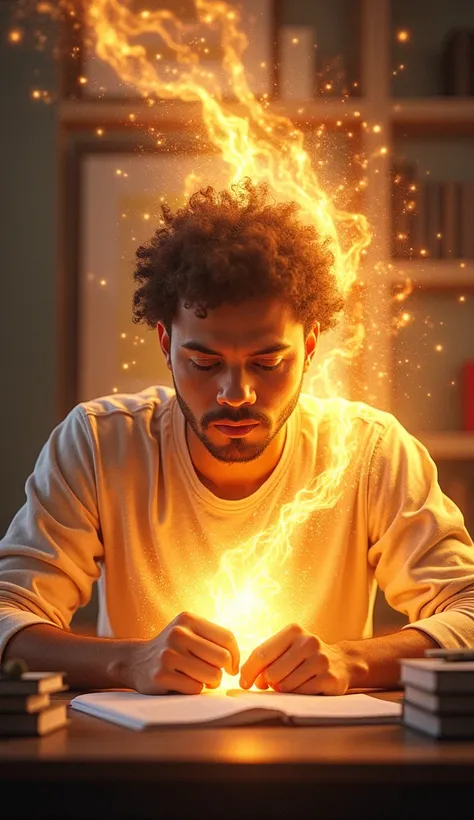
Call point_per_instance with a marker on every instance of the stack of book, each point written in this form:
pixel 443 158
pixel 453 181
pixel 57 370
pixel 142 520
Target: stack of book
pixel 438 696
pixel 27 707
pixel 430 218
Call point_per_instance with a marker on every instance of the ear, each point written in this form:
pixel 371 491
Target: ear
pixel 311 344
pixel 165 343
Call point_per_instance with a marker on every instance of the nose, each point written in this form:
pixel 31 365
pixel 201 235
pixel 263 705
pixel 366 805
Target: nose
pixel 235 389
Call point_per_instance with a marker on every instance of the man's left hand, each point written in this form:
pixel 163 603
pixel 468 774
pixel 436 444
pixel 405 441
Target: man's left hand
pixel 297 661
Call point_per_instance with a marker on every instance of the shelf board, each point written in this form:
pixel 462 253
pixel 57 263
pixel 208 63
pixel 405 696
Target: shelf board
pixel 86 113
pixel 434 273
pixel 438 110
pixel 452 445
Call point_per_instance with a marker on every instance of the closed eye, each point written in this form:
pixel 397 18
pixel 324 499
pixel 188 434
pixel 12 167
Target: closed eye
pixel 217 364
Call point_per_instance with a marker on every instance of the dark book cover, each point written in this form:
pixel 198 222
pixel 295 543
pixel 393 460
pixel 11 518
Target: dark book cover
pixel 450 220
pixel 457 63
pixel 30 682
pixel 468 397
pixel 42 722
pixel 438 703
pixel 437 725
pixel 467 220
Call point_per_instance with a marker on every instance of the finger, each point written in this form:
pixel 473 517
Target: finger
pixel 180 683
pixel 317 685
pixel 261 683
pixel 298 677
pixel 266 654
pixel 215 634
pixel 185 640
pixel 198 670
pixel 286 664
pixel 323 684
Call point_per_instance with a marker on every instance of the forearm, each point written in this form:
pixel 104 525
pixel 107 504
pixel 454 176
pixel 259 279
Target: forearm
pixel 375 662
pixel 89 662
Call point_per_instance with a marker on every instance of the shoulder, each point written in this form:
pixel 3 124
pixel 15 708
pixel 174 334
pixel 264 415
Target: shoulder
pixel 334 412
pixel 149 402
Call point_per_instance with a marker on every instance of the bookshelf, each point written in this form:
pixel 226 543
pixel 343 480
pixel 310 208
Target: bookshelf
pixel 402 107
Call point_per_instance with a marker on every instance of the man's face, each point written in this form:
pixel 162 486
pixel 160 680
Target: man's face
pixel 238 374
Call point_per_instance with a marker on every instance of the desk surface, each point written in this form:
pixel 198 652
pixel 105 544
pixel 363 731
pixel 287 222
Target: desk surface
pixel 94 768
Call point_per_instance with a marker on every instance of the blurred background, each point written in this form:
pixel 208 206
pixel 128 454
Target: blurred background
pixel 384 93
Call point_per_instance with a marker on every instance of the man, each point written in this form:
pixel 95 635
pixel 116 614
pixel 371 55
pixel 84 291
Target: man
pixel 144 493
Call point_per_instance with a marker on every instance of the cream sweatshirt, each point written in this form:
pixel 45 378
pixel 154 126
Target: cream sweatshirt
pixel 114 499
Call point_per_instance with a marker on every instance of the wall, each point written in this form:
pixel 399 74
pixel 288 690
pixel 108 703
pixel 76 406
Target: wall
pixel 28 180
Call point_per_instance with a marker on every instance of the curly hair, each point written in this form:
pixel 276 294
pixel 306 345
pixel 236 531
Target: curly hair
pixel 225 247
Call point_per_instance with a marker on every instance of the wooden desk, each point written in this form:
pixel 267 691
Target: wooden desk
pixel 94 769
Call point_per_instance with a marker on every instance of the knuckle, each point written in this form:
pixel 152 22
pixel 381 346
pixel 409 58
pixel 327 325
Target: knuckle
pixel 224 657
pixel 177 634
pixel 323 664
pixel 184 618
pixel 167 657
pixel 312 643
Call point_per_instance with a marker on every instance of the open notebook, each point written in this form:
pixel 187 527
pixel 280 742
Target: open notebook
pixel 234 707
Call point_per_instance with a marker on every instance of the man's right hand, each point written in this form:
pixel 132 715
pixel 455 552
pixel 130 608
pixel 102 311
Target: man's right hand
pixel 187 655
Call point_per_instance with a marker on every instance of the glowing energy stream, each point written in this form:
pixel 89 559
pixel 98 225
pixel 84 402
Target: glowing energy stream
pixel 264 146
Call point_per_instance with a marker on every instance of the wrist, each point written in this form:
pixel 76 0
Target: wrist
pixel 119 669
pixel 356 664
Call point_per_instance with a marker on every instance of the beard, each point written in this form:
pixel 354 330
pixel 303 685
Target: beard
pixel 237 451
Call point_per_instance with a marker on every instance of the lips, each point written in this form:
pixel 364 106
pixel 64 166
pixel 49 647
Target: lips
pixel 236 429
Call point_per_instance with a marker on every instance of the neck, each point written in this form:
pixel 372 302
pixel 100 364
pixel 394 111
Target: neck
pixel 236 480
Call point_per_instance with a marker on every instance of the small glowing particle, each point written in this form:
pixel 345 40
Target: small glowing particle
pixel 15 35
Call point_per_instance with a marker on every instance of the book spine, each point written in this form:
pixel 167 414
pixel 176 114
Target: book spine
pixel 467 220
pixel 468 403
pixel 450 220
pixel 419 220
pixel 404 209
pixel 456 64
pixel 471 62
pixel 297 63
pixel 433 217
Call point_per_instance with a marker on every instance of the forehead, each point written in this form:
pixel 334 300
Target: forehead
pixel 239 326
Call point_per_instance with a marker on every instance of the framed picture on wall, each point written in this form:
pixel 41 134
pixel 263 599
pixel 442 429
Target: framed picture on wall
pixel 256 20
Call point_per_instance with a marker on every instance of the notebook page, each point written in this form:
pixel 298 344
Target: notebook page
pixel 137 711
pixel 330 707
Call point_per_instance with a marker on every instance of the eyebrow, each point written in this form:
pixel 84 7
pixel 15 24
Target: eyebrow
pixel 278 347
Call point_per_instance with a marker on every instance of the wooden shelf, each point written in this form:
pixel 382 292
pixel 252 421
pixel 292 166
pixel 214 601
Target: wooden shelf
pixel 433 110
pixel 452 445
pixel 90 113
pixel 434 273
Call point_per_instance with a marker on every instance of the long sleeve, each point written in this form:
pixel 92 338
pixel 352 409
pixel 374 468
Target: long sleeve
pixel 422 554
pixel 50 555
